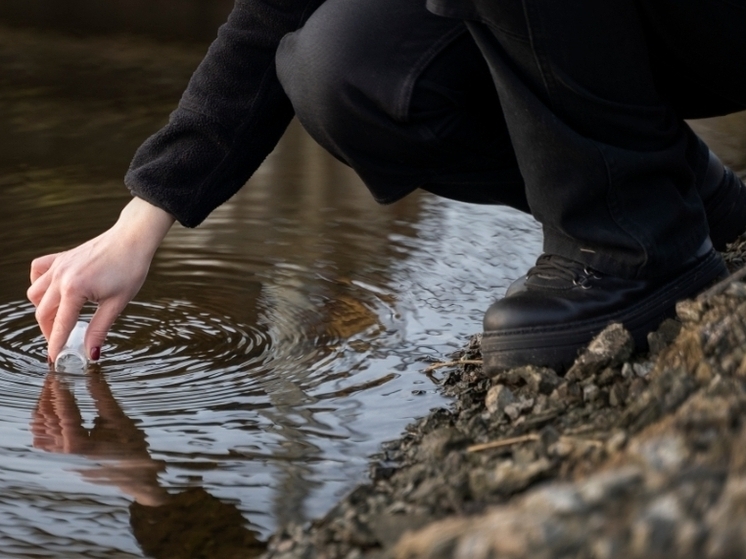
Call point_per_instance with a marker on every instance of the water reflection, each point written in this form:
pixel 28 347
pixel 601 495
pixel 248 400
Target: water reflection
pixel 189 524
pixel 270 352
pixel 114 442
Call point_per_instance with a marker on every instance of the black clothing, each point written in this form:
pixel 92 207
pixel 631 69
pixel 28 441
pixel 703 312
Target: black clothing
pixel 229 119
pixel 571 110
pixel 610 166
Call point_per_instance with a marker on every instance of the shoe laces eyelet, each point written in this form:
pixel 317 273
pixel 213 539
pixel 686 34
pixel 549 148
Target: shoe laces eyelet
pixel 584 281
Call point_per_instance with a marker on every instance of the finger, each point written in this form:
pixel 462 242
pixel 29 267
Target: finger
pixel 39 266
pixel 72 435
pixel 38 288
pixel 46 311
pixel 103 318
pixel 65 405
pixel 64 322
pixel 45 424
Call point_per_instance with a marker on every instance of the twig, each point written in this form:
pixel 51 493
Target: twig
pixel 503 442
pixel 439 365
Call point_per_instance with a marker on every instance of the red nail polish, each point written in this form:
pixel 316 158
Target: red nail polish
pixel 95 354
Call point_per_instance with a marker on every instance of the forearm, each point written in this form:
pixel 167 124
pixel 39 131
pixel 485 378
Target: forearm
pixel 229 119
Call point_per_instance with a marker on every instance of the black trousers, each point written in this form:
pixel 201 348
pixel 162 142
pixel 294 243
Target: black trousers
pixel 571 110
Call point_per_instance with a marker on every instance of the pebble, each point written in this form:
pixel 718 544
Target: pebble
pixel 498 398
pixel 610 485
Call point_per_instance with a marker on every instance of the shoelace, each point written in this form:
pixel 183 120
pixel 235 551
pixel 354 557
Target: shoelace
pixel 551 266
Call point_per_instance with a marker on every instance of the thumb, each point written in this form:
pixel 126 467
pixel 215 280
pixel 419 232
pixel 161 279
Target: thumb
pixel 99 326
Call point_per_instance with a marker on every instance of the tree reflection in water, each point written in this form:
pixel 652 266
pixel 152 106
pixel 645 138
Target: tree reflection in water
pixel 190 525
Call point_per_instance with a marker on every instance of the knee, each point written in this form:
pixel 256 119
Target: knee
pixel 315 73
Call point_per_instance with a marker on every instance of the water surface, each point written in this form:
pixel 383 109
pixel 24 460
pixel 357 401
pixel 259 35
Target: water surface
pixel 270 352
pixel 268 355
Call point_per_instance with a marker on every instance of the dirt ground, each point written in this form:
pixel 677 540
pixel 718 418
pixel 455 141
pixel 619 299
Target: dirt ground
pixel 626 455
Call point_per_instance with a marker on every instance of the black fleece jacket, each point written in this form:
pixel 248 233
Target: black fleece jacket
pixel 228 120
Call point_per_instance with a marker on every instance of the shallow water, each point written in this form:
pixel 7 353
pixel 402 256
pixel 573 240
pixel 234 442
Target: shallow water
pixel 270 352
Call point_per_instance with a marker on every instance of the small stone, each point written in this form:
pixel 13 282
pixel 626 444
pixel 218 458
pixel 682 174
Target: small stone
pixel 660 454
pixel 548 436
pixel 689 310
pixel 627 371
pixel 567 392
pixel 498 398
pixel 591 393
pixel 654 533
pixel 663 336
pixel 702 413
pixel 617 395
pixel 380 471
pixel 736 289
pixel 561 449
pixel 704 373
pixel 611 348
pixel 636 389
pixel 607 376
pixel 542 404
pixel 616 442
pixel 513 411
pixel 642 370
pixel 285 546
pixel 539 380
pixel 441 442
pixel 555 499
pixel 609 485
pixel 509 477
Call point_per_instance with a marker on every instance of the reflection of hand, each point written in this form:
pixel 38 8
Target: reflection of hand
pixel 114 442
pixel 108 270
pixel 190 524
pixel 57 425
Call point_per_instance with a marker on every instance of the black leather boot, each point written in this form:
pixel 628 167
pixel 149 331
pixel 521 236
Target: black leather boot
pixel 560 305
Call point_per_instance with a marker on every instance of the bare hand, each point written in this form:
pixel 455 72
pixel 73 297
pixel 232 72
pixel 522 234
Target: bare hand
pixel 108 270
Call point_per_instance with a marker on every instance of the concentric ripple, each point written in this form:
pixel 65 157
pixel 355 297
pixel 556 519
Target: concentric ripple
pixel 182 354
pixel 163 338
pixel 23 356
pixel 172 356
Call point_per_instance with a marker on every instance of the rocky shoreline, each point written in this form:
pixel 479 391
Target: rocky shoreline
pixel 624 456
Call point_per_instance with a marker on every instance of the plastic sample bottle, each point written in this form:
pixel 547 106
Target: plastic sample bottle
pixel 72 358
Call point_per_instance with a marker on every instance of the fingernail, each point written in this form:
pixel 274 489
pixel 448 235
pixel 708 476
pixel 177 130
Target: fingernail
pixel 95 354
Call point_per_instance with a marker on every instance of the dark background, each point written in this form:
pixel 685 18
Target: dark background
pixel 180 20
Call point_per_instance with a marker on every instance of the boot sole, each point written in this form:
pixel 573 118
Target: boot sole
pixel 558 346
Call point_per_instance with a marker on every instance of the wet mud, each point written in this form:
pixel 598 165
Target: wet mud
pixel 627 455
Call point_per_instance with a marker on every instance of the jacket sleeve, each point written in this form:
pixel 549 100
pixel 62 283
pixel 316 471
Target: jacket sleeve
pixel 228 120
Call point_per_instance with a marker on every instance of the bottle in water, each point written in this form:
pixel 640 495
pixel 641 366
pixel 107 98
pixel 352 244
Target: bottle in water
pixel 72 358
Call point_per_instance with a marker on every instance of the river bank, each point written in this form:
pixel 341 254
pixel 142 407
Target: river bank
pixel 624 456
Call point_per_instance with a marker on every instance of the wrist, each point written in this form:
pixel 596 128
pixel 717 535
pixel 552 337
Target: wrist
pixel 141 222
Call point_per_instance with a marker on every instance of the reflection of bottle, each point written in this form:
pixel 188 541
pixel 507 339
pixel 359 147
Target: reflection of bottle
pixel 72 358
